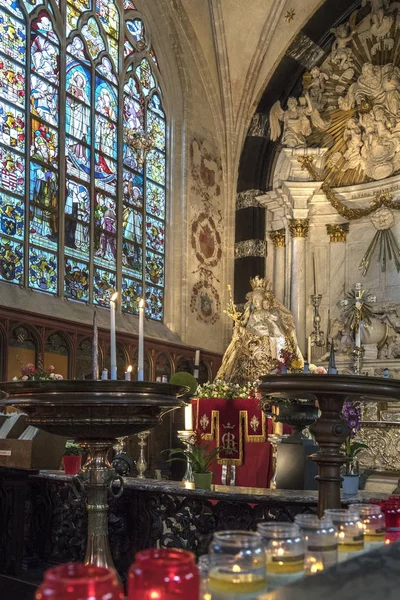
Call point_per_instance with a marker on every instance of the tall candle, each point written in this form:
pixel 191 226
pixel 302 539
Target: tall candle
pixel 141 341
pixel 95 349
pixel 188 418
pixel 104 374
pixel 113 344
pixel 128 373
pixel 196 364
pixel 315 276
pixel 309 349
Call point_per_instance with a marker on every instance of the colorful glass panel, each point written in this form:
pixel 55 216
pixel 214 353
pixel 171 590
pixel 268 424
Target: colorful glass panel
pixel 94 41
pixel 131 293
pixel 12 81
pixel 105 173
pixel 76 51
pixel 73 15
pixel 77 159
pixel 13 7
pixel 133 189
pixel 136 29
pixel 155 234
pixel 76 280
pixel 105 228
pixel 108 15
pixel 44 143
pixel 132 258
pixel 128 48
pixel 104 286
pixel 132 222
pixel 156 125
pixel 106 99
pixel 77 219
pixel 11 260
pixel 154 302
pixel 93 80
pixel 12 216
pixel 129 5
pixel 155 200
pixel 12 171
pixel 106 69
pixel 154 268
pixel 31 4
pixel 12 37
pixel 12 126
pixel 42 270
pixel 155 166
pixel 145 76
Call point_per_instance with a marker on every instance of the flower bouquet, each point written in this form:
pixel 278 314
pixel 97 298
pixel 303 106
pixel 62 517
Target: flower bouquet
pixel 351 414
pixel 30 373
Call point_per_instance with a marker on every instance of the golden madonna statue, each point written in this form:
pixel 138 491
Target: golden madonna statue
pixel 264 328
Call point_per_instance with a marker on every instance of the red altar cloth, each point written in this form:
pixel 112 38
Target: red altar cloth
pixel 241 427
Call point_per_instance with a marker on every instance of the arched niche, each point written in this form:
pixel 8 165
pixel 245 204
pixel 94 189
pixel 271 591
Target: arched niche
pixel 57 353
pixel 23 348
pixel 84 359
pixel 123 361
pixel 163 366
pixel 184 364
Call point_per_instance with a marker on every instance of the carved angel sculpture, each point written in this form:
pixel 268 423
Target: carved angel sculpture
pixel 342 55
pixel 296 119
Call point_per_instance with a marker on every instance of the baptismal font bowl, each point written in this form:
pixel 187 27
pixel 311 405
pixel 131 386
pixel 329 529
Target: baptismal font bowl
pixel 94 414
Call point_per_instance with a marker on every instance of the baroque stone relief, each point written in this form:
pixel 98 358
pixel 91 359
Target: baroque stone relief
pixel 205 301
pixel 350 104
pixel 206 240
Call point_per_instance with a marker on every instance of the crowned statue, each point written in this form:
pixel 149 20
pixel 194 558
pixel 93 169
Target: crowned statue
pixel 264 328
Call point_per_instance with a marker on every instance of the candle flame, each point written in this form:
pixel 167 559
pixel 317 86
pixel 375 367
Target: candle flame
pixel 236 569
pixel 129 369
pixel 318 566
pixel 141 303
pixel 114 296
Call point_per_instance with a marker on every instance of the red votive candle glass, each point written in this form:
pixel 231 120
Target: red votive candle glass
pixel 164 574
pixel 391 510
pixel 74 581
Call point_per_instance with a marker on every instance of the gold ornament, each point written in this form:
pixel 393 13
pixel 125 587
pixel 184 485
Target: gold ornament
pixel 381 199
pixel 338 232
pixel 299 227
pixel 278 238
pixel 290 15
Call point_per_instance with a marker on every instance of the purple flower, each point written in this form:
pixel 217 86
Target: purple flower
pixel 351 413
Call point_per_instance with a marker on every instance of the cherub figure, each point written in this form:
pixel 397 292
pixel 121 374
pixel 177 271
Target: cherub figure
pixel 341 55
pixel 316 88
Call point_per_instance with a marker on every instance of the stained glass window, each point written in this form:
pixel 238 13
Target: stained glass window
pixel 82 212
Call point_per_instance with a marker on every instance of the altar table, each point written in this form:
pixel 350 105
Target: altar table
pixel 240 426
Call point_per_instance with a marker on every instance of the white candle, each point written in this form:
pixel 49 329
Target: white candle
pixel 188 418
pixel 113 345
pixel 128 373
pixel 141 341
pixel 104 374
pixel 196 364
pixel 309 350
pixel 95 348
pixel 315 275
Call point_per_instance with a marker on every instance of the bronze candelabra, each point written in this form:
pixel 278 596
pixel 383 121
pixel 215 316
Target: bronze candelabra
pixel 95 414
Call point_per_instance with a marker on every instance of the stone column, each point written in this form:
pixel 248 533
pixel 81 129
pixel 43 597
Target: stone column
pixel 298 230
pixel 337 261
pixel 279 243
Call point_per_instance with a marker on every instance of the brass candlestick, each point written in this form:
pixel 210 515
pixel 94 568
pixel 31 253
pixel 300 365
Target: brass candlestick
pixel 317 335
pixel 141 464
pixel 188 438
pixel 275 440
pixel 358 353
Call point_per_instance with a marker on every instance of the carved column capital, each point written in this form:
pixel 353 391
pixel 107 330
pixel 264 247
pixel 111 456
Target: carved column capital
pixel 278 238
pixel 299 227
pixel 338 232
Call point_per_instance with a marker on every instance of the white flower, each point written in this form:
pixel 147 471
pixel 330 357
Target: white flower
pixel 52 376
pixel 58 376
pixel 25 378
pixel 312 368
pixel 15 378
